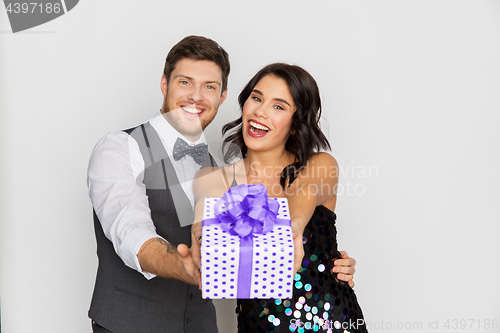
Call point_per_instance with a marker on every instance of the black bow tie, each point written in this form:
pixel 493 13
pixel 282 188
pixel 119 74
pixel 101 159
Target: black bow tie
pixel 197 152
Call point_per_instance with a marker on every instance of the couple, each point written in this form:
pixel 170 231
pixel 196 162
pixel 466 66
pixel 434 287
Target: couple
pixel 140 183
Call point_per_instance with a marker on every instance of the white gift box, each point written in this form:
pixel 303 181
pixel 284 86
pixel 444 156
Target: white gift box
pixel 258 266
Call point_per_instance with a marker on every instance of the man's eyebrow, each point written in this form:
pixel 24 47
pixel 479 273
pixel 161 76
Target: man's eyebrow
pixel 276 99
pixel 183 76
pixel 190 78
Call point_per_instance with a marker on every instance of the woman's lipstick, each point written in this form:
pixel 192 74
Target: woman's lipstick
pixel 256 129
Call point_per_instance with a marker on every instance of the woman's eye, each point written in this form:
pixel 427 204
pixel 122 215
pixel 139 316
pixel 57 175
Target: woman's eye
pixel 278 107
pixel 255 98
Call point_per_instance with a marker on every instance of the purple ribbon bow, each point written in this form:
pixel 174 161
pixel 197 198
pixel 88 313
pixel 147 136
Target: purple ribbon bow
pixel 246 210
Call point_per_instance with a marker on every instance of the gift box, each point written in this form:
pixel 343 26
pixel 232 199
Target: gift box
pixel 247 248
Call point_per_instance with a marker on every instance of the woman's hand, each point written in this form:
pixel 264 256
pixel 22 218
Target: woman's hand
pixel 345 268
pixel 196 247
pixel 298 247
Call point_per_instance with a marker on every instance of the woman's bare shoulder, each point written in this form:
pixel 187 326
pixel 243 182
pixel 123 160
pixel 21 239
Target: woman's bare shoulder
pixel 320 166
pixel 209 182
pixel 323 159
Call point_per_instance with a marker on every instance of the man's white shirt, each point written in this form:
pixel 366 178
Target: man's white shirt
pixel 118 195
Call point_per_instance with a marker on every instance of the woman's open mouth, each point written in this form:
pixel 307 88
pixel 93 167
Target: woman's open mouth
pixel 257 130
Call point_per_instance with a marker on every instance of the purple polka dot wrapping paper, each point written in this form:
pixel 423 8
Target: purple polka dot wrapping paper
pixel 267 267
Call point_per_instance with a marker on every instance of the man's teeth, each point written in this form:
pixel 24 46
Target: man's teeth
pixel 192 110
pixel 258 126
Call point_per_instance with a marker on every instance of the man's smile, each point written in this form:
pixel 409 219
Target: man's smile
pixel 192 109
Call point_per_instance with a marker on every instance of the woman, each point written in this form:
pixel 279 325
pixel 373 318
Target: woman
pixel 279 138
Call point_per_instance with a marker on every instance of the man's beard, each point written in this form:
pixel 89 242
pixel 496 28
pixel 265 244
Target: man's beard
pixel 190 128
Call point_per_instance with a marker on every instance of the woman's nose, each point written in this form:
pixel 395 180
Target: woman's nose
pixel 261 111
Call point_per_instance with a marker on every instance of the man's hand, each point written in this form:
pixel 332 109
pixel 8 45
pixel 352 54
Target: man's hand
pixel 166 260
pixel 186 258
pixel 345 268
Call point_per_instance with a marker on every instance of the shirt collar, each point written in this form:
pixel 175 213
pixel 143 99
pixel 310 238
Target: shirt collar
pixel 169 135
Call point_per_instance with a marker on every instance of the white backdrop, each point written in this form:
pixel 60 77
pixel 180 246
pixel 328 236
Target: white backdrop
pixel 411 96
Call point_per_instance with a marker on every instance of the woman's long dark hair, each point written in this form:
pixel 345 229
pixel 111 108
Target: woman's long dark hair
pixel 306 136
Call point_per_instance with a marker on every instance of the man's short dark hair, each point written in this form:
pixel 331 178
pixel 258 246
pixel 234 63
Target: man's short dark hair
pixel 198 48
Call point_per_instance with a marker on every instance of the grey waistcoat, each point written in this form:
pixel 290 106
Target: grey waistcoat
pixel 124 301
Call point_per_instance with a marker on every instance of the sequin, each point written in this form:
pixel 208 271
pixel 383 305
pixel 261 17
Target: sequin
pixel 318 299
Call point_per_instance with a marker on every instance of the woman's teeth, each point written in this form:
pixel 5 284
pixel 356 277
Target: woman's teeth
pixel 257 126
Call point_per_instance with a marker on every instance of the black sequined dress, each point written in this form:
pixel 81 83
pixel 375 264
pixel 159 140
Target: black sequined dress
pixel 320 302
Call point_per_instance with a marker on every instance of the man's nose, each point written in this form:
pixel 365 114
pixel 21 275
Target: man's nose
pixel 196 94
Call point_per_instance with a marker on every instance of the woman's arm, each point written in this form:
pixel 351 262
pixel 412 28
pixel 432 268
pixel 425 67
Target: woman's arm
pixel 316 184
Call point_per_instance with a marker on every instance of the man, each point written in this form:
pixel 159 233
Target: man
pixel 140 186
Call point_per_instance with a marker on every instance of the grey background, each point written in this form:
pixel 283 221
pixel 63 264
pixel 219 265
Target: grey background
pixel 410 89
